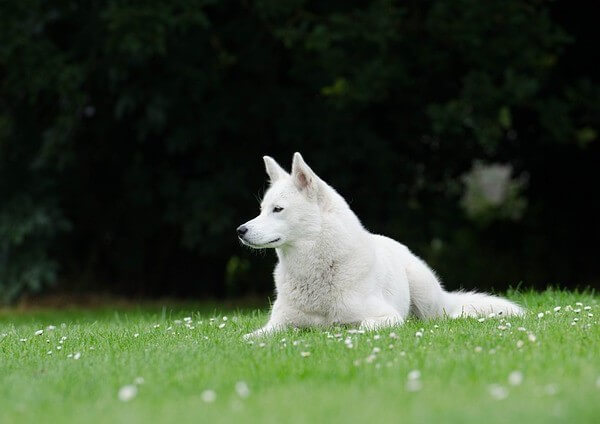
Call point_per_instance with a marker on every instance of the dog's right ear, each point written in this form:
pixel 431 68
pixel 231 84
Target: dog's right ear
pixel 274 171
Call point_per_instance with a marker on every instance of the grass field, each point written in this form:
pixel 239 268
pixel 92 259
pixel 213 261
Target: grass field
pixel 189 364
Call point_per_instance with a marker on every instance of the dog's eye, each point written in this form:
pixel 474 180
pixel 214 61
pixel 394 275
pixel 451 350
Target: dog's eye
pixel 277 209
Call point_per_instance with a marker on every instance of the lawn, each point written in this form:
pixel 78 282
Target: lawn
pixel 179 364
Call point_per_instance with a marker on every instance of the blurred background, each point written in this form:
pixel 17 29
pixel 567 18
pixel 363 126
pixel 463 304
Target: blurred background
pixel 131 137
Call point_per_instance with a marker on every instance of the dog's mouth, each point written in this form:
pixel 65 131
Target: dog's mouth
pixel 259 246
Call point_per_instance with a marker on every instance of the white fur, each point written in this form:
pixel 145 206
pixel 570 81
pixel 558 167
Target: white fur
pixel 331 270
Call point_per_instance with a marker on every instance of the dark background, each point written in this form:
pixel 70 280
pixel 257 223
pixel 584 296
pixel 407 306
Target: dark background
pixel 131 136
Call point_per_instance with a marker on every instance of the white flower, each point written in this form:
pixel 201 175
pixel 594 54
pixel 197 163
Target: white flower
pixel 22 340
pixel 224 318
pixel 187 319
pixel 393 335
pixel 578 304
pixel 491 315
pixel 138 380
pixel 136 335
pixel 587 308
pixel 49 352
pixel 577 310
pixel 241 388
pixel 39 332
pixel 304 354
pixel 502 327
pixel 557 308
pixel 222 325
pixel 370 358
pixel 541 315
pixel 498 392
pixel 522 329
pixel 77 355
pixel 520 343
pixel 531 337
pixel 59 347
pixel 493 187
pixel 481 319
pixel 515 378
pixel 376 337
pixel 590 315
pixel 128 392
pixel 414 375
pixel 419 334
pixel 50 328
pixel 209 396
pixel 478 349
pixel 156 325
pixel 261 345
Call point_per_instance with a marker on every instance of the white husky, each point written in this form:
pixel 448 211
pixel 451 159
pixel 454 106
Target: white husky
pixel 332 270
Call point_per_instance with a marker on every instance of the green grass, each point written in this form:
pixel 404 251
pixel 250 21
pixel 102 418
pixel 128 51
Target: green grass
pixel 460 361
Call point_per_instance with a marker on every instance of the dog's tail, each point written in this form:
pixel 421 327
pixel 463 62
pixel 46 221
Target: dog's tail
pixel 430 300
pixel 470 304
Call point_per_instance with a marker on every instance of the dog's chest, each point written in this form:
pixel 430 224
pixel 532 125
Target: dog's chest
pixel 311 289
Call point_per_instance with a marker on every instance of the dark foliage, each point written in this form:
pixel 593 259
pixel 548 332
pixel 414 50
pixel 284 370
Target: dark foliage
pixel 131 134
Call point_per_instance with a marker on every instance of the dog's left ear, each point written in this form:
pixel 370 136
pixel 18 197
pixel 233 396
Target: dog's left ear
pixel 304 178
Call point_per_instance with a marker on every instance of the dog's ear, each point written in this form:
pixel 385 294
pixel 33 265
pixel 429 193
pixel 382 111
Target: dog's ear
pixel 274 171
pixel 304 177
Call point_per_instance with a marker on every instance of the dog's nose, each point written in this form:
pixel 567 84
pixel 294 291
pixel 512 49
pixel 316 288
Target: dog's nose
pixel 241 230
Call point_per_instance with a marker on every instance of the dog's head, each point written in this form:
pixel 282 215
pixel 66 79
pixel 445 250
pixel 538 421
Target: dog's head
pixel 290 211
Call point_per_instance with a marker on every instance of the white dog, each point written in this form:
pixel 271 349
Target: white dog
pixel 331 270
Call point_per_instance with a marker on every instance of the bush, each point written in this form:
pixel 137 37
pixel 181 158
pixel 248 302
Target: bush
pixel 141 125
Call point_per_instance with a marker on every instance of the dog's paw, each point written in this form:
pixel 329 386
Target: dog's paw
pixel 369 325
pixel 250 336
pixel 372 324
pixel 258 333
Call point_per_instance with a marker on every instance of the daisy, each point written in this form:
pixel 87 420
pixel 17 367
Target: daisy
pixel 128 392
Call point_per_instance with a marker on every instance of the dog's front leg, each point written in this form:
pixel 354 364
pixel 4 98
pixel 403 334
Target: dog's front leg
pixel 278 321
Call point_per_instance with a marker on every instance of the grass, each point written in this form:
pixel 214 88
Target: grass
pixel 464 368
